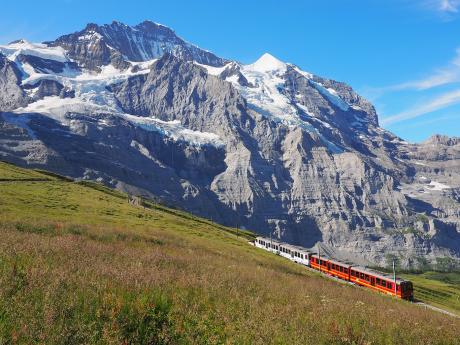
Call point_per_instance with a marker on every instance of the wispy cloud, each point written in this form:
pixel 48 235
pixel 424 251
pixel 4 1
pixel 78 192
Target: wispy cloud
pixel 449 6
pixel 440 102
pixel 446 9
pixel 442 76
pixel 442 6
pixel 431 121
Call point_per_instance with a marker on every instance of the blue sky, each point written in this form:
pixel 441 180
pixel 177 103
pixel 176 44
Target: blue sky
pixel 403 55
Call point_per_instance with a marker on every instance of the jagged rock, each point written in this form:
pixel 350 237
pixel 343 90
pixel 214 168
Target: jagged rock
pixel 45 88
pixel 11 94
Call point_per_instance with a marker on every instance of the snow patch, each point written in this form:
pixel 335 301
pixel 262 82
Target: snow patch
pixel 331 95
pixel 12 50
pixel 303 73
pixel 90 35
pixel 175 130
pixel 212 70
pixel 438 186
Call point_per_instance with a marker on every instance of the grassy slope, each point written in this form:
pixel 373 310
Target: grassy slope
pixel 439 289
pixel 80 265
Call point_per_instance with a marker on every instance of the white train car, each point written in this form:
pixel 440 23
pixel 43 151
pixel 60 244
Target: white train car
pixel 291 252
pixel 268 244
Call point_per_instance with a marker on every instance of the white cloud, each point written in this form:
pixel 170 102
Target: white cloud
pixel 449 74
pixel 446 10
pixel 440 102
pixel 449 6
pixel 441 6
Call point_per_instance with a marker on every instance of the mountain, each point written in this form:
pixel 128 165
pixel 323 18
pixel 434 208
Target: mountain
pixel 264 146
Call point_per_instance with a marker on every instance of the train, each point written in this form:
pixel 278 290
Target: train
pixel 362 276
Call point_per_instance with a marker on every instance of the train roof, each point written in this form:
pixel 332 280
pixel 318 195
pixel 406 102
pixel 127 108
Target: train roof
pixel 286 245
pixel 377 274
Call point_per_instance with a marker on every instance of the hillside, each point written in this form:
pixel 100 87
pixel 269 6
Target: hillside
pixel 79 264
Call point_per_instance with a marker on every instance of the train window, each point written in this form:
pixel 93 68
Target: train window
pixel 390 286
pixel 345 270
pixel 367 277
pixel 384 283
pixel 340 268
pixel 378 281
pixel 362 275
pixel 301 256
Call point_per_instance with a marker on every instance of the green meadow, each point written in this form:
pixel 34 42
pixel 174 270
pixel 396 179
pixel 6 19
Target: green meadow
pixel 80 265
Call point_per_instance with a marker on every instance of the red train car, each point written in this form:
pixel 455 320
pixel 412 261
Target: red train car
pixel 363 276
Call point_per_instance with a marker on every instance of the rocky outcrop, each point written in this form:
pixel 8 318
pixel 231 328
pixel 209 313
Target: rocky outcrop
pixel 11 94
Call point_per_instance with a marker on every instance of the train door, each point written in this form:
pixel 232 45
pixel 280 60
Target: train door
pixel 373 281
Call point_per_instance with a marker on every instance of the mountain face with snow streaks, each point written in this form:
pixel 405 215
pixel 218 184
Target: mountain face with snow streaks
pixel 265 146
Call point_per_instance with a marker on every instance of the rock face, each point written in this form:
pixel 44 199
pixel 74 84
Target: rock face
pixel 97 46
pixel 264 146
pixel 11 94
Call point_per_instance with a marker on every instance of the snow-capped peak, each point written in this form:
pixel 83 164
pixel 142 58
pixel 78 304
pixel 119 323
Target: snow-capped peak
pixel 268 63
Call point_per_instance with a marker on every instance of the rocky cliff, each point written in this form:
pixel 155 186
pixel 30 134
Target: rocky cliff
pixel 264 146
